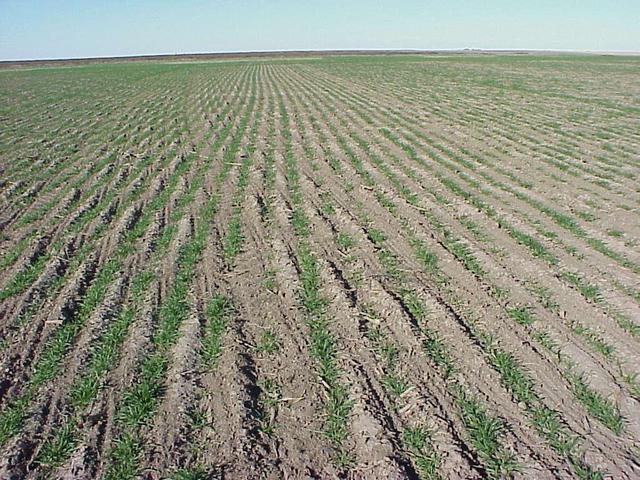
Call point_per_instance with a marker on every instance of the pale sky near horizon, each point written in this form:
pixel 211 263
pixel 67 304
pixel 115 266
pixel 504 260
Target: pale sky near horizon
pixel 74 28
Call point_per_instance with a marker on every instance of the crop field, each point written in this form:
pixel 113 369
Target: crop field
pixel 361 267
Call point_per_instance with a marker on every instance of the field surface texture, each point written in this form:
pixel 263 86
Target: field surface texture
pixel 341 267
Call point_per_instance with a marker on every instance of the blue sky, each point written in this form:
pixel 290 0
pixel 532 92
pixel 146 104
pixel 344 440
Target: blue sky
pixel 74 28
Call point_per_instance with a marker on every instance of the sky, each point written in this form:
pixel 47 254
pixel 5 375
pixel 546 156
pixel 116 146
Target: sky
pixel 95 28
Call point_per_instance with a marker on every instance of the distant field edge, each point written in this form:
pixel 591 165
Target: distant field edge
pixel 284 53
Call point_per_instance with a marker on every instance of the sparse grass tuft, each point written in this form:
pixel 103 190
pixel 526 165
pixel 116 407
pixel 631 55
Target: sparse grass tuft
pixel 59 448
pixel 217 313
pixel 589 291
pixel 419 444
pixel 270 282
pixel 125 453
pixel 232 243
pixel 544 297
pixel 376 236
pixel 599 407
pixel 197 473
pixel 267 406
pixel 485 432
pixel 345 241
pixel 395 385
pixel 268 343
pixel 522 315
pixel 24 278
pixel 598 344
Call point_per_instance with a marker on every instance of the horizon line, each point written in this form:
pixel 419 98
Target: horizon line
pixel 228 53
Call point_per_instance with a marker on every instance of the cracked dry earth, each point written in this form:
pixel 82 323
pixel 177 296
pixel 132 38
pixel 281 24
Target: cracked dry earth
pixel 379 267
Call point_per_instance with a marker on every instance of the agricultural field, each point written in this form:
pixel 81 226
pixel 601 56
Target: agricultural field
pixel 382 267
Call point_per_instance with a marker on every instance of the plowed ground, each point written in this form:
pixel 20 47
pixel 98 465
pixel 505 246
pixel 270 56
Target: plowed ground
pixel 353 267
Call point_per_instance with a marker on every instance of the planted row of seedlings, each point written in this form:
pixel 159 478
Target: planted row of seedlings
pixel 220 319
pixel 460 108
pixel 493 461
pixel 71 264
pixel 561 219
pixel 75 248
pixel 185 333
pixel 310 275
pixel 62 118
pixel 64 147
pixel 416 435
pixel 183 229
pixel 387 257
pixel 74 164
pixel 493 465
pixel 51 283
pixel 61 339
pixel 542 177
pixel 35 154
pixel 140 400
pixel 103 181
pixel 538 248
pixel 47 365
pixel 98 209
pixel 404 108
pixel 288 394
pixel 263 398
pixel 477 272
pixel 105 353
pixel 322 343
pixel 175 180
pixel 78 169
pixel 339 427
